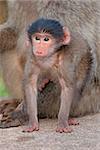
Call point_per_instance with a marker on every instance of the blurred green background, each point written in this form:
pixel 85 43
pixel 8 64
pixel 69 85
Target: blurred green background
pixel 3 89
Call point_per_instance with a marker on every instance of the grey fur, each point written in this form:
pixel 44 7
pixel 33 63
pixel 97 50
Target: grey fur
pixel 79 16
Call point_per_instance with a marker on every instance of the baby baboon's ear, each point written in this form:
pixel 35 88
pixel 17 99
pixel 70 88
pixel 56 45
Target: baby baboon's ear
pixel 67 37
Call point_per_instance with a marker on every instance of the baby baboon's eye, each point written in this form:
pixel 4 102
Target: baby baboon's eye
pixel 46 39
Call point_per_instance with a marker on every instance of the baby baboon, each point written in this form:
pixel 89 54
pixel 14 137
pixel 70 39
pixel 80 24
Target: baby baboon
pixel 79 16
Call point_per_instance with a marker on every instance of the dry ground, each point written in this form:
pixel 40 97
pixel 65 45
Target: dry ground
pixel 86 136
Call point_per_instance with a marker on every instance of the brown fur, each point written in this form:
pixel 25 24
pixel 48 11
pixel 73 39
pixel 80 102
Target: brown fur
pixel 3 11
pixel 79 16
pixel 8 39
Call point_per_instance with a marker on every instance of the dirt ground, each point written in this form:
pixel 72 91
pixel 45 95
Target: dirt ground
pixel 86 136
